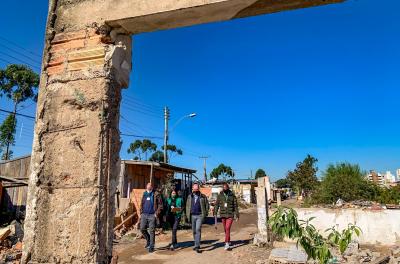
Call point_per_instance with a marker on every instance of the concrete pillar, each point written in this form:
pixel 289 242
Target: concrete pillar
pixel 261 238
pixel 75 158
pixel 278 198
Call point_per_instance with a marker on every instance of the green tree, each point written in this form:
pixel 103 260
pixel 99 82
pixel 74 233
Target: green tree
pixel 282 183
pixel 142 148
pixel 18 83
pixel 157 156
pixel 260 173
pixel 222 170
pixel 7 136
pixel 304 177
pixel 345 181
pixel 172 150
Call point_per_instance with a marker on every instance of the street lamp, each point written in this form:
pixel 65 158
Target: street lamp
pixel 183 117
pixel 166 133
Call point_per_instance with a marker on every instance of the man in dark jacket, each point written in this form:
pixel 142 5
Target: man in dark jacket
pixel 196 211
pixel 150 209
pixel 228 208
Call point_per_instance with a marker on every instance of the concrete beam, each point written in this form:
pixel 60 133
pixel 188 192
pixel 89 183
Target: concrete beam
pixel 137 16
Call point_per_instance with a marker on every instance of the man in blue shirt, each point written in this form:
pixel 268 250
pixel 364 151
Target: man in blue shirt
pixel 197 208
pixel 150 210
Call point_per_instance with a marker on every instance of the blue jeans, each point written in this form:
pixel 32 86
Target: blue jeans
pixel 196 228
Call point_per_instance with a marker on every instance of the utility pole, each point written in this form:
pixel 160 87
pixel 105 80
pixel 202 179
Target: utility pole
pixel 205 166
pixel 166 119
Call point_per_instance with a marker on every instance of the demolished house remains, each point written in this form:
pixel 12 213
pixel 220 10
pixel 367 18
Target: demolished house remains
pixel 75 153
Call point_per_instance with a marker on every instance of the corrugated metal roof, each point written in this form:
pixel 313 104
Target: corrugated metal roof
pixel 160 165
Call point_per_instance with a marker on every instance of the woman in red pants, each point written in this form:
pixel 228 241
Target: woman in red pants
pixel 228 208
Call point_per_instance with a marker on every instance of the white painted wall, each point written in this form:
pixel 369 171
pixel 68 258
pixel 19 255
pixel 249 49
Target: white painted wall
pixel 378 227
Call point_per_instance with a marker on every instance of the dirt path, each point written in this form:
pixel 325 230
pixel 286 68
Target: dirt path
pixel 212 246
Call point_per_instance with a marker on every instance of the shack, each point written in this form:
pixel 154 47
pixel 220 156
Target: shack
pixel 134 176
pixel 14 176
pixel 245 190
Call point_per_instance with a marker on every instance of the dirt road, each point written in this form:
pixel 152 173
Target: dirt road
pixel 212 246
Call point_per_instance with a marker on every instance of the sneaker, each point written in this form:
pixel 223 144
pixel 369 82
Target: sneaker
pixel 151 250
pixel 195 248
pixel 172 247
pixel 227 246
pixel 147 246
pixel 198 250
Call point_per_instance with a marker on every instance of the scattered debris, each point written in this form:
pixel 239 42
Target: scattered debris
pixel 11 242
pixel 367 205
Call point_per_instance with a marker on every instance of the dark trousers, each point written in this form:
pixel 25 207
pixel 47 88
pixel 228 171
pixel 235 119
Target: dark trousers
pixel 148 226
pixel 174 222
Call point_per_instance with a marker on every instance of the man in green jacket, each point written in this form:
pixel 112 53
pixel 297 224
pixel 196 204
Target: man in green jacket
pixel 174 213
pixel 227 205
pixel 197 207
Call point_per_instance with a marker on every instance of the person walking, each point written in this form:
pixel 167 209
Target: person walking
pixel 174 213
pixel 197 207
pixel 228 208
pixel 150 210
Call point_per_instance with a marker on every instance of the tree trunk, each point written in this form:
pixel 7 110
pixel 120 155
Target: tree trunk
pixel 7 157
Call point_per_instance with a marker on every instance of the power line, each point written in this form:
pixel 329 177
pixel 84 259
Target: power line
pixel 20 47
pixel 139 127
pixel 24 62
pixel 143 112
pixel 20 53
pixel 27 116
pixel 140 136
pixel 6 61
pixel 138 101
pixel 138 107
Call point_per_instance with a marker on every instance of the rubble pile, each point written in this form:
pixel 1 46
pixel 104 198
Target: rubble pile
pixel 285 252
pixel 371 256
pixel 11 243
pixel 358 204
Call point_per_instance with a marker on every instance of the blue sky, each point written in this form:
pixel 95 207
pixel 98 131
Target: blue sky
pixel 267 89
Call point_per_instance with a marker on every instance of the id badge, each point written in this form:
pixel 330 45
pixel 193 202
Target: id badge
pixel 148 199
pixel 226 205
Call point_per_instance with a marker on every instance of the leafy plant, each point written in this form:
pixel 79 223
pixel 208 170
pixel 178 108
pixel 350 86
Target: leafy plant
pixel 342 239
pixel 284 223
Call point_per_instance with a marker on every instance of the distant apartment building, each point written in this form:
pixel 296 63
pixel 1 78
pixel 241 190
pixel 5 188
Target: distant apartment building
pixel 398 174
pixel 389 177
pixel 376 177
pixel 382 179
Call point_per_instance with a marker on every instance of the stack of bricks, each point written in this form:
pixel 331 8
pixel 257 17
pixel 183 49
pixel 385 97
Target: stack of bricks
pixel 74 51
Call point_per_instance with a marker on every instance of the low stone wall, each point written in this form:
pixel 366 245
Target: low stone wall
pixel 378 227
